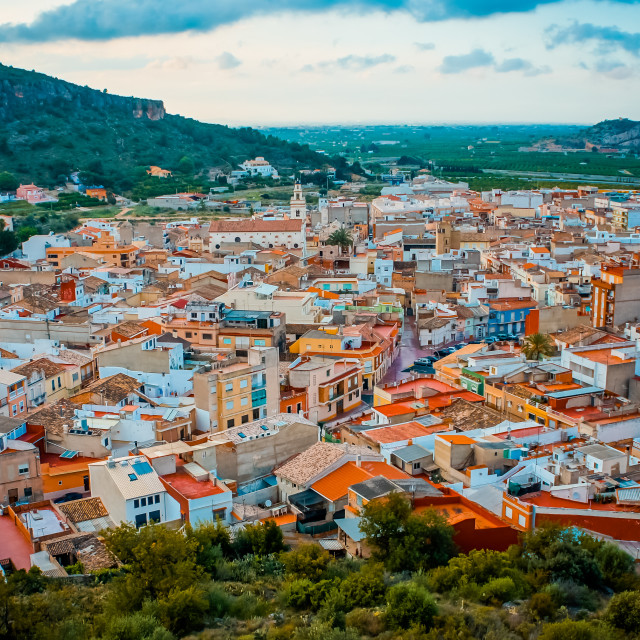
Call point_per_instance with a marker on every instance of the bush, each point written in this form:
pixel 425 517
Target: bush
pixel 623 611
pixel 365 621
pixel 307 561
pixel 136 626
pixel 366 588
pixel 183 610
pixel 575 630
pixel 409 604
pixel 499 590
pixel 542 606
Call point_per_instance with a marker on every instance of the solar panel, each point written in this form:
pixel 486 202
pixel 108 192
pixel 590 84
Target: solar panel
pixel 242 435
pixel 142 467
pixel 264 427
pixel 132 477
pixel 69 454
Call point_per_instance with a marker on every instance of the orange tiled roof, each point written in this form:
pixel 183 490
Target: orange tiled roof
pixel 336 484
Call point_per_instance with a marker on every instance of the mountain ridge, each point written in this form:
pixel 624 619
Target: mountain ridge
pixel 50 127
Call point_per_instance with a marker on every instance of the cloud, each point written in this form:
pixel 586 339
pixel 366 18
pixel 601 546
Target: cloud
pixel 178 63
pixel 227 60
pixel 472 60
pixel 520 64
pixel 109 19
pixel 613 69
pixel 404 68
pixel 350 63
pixel 424 46
pixel 608 38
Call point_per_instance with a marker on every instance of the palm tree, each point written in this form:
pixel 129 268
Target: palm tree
pixel 341 238
pixel 537 345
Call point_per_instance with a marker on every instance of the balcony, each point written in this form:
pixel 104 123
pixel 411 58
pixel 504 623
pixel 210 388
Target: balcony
pixel 258 384
pixel 258 398
pixel 36 401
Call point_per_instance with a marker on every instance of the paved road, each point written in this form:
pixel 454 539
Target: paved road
pixel 410 350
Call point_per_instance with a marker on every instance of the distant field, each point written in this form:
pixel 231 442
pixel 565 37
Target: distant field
pixel 464 150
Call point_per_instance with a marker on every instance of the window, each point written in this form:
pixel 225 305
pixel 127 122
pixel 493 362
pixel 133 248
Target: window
pixel 256 414
pixel 229 404
pixel 154 516
pixel 231 423
pixel 244 401
pixel 143 502
pixel 289 409
pixel 260 343
pixel 188 334
pixel 245 418
pixel 136 504
pixel 141 520
pixel 226 341
pixel 15 409
pixel 508 512
pixel 416 465
pixel 23 468
pixel 207 336
pixel 228 386
pixel 156 498
pixel 244 383
pixel 59 382
pixel 522 521
pixel 53 385
pixel 21 406
pixel 28 492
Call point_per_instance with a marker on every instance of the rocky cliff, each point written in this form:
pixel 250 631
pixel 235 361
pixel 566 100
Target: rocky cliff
pixel 22 91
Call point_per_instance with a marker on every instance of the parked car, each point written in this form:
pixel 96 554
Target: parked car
pixel 68 497
pixel 513 337
pixel 423 362
pixel 491 339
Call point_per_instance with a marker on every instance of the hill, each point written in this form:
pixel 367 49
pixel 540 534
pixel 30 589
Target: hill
pixel 49 127
pixel 621 134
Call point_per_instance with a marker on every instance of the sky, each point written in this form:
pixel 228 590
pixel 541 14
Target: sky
pixel 279 62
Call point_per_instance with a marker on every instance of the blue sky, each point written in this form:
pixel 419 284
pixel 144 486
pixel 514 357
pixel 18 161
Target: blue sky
pixel 342 61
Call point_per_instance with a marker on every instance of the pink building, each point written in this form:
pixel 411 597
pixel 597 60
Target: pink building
pixel 32 194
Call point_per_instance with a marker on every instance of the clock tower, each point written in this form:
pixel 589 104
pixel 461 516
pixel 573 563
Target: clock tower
pixel 298 209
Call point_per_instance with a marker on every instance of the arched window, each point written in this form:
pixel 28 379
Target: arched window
pixel 237 238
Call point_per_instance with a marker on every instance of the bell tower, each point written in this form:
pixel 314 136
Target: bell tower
pixel 298 209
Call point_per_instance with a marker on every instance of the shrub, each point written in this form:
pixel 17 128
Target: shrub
pixel 365 622
pixel 499 590
pixel 575 630
pixel 409 604
pixel 365 588
pixel 182 610
pixel 542 606
pixel 623 611
pixel 136 627
pixel 307 561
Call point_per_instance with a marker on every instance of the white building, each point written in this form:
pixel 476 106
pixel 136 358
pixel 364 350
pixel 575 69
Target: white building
pixel 267 233
pixel 35 248
pixel 260 167
pixel 131 491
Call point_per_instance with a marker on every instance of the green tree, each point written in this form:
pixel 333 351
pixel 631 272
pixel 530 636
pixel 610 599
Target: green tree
pixel 186 166
pixel 409 604
pixel 340 238
pixel 8 182
pixel 537 345
pixel 136 626
pixel 160 560
pixel 259 539
pixel 403 540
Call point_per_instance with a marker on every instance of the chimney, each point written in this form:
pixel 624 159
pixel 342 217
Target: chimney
pixel 358 460
pixel 65 428
pixel 410 443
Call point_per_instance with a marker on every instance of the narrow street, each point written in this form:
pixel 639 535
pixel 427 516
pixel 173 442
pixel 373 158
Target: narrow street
pixel 410 350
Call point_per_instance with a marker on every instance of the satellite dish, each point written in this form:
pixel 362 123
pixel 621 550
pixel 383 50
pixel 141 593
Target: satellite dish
pixel 267 503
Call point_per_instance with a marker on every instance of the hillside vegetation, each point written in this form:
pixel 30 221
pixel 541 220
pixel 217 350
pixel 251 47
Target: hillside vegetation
pixel 49 128
pixel 557 584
